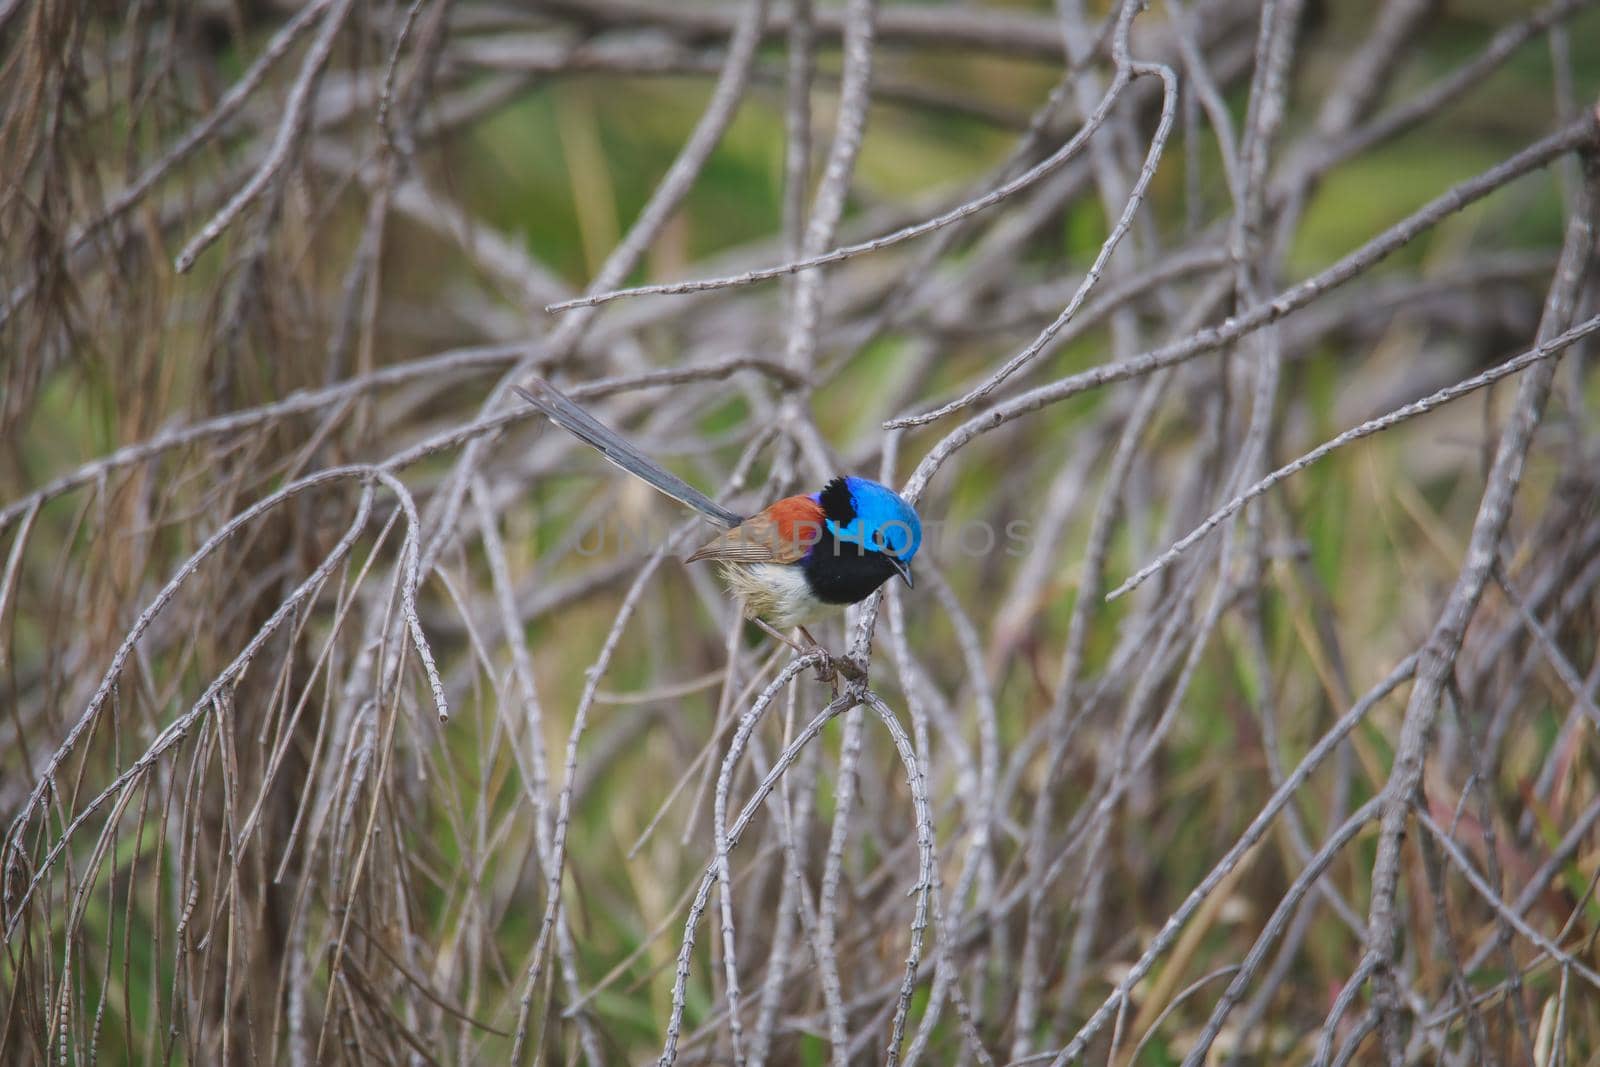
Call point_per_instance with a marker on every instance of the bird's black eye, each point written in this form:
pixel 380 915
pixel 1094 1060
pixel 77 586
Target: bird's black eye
pixel 878 541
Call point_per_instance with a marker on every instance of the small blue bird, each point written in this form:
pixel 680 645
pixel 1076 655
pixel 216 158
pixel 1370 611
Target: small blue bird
pixel 794 560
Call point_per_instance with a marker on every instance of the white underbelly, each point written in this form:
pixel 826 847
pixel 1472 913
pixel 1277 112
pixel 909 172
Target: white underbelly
pixel 776 592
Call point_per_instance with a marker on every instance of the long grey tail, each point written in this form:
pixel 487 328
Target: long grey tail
pixel 592 432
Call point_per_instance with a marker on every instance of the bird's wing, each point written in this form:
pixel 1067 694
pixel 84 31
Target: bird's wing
pixel 781 533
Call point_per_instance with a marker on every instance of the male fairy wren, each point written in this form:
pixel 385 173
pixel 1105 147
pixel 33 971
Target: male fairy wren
pixel 794 560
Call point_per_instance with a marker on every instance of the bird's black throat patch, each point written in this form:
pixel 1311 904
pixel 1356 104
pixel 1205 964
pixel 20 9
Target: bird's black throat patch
pixel 843 572
pixel 836 502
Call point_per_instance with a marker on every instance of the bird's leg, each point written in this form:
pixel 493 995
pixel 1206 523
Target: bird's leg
pixel 824 669
pixel 845 665
pixel 779 634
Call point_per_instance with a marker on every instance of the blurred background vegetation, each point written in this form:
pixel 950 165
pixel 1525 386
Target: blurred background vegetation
pixel 307 866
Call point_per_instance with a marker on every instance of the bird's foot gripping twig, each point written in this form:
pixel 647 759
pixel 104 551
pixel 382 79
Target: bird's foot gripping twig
pixel 829 666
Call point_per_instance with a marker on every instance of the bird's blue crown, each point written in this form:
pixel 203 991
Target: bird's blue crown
pixel 875 517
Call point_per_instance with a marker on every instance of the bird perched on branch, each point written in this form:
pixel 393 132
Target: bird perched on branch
pixel 793 561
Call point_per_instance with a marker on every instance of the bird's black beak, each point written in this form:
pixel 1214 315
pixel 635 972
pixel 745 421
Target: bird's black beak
pixel 904 570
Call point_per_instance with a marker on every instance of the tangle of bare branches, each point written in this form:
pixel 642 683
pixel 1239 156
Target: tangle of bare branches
pixel 1238 355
